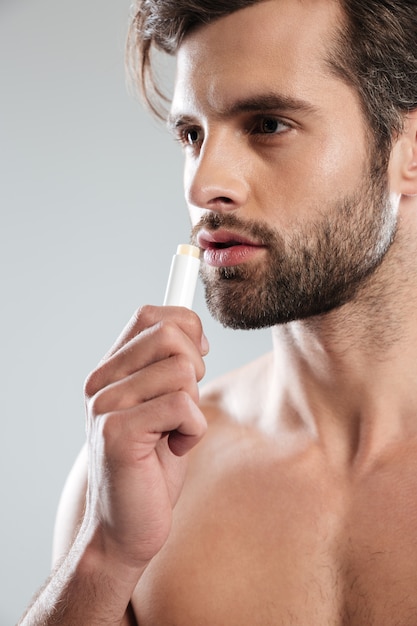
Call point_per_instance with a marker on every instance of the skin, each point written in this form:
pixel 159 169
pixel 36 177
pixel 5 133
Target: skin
pixel 298 504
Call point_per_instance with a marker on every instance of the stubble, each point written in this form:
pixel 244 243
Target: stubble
pixel 318 266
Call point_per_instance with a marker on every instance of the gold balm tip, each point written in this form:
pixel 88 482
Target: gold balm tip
pixel 186 249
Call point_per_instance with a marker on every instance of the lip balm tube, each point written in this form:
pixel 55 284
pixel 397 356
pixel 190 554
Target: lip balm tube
pixel 183 276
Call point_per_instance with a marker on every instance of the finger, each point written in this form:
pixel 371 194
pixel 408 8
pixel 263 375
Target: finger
pixel 148 316
pixel 131 436
pixel 155 344
pixel 176 373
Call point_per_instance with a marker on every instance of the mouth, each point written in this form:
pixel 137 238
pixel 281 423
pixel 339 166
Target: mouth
pixel 223 248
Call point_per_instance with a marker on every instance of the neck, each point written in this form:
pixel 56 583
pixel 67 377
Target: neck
pixel 350 375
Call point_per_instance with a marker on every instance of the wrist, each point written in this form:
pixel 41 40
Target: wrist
pixel 97 555
pixel 88 589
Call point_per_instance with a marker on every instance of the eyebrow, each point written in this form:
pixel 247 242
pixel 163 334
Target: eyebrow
pixel 261 103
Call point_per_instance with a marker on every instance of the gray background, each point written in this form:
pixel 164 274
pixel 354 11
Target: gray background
pixel 91 213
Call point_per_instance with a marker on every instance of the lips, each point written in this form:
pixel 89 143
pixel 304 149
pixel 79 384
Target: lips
pixel 223 248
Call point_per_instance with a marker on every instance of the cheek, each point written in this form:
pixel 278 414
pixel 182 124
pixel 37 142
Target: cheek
pixel 344 160
pixel 340 164
pixel 332 169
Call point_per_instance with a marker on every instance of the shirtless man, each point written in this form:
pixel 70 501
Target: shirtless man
pixel 299 125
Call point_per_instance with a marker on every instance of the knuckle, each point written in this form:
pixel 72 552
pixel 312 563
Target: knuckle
pixel 184 367
pixel 169 334
pixel 96 404
pixel 191 323
pixel 145 315
pixel 91 384
pixel 182 402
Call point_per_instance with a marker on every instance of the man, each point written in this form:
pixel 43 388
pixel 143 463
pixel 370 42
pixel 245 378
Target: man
pixel 299 125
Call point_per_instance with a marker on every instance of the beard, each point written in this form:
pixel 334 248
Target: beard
pixel 318 267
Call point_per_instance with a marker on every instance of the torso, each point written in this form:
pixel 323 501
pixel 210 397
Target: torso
pixel 270 535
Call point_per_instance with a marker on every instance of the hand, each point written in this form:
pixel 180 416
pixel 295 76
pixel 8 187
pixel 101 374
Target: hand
pixel 142 418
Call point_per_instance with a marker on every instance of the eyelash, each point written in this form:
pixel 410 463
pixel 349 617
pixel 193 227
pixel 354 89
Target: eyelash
pixel 183 133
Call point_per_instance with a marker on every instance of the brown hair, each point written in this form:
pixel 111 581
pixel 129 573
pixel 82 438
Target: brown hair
pixel 162 25
pixel 375 51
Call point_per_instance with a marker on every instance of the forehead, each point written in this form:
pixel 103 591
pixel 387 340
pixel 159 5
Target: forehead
pixel 272 44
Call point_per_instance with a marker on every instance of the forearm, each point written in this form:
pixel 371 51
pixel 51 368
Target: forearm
pixel 89 588
pixel 142 420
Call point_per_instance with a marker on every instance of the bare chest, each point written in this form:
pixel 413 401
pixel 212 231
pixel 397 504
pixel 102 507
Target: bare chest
pixel 249 547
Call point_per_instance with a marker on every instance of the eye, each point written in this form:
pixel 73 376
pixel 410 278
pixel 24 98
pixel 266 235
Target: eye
pixel 190 136
pixel 270 126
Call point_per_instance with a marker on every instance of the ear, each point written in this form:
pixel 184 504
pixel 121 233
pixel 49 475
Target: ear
pixel 403 162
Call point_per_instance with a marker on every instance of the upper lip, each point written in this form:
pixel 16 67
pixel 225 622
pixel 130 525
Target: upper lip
pixel 223 238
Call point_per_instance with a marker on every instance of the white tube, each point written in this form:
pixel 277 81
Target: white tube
pixel 183 276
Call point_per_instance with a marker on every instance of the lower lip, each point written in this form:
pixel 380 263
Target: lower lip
pixel 227 257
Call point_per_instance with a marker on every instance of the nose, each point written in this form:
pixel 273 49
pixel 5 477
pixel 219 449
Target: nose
pixel 215 178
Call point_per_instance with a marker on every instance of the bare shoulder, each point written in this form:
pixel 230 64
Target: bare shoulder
pixel 236 396
pixel 235 406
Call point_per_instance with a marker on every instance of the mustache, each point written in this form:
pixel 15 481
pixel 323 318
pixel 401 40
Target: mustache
pixel 250 228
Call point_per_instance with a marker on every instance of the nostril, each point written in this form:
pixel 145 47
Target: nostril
pixel 214 188
pixel 223 199
pixel 220 201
